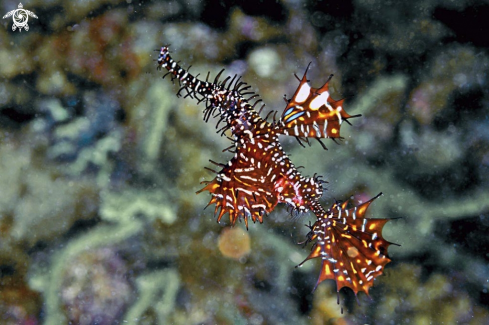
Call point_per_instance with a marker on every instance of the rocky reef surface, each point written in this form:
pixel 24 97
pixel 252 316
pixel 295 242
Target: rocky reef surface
pixel 100 161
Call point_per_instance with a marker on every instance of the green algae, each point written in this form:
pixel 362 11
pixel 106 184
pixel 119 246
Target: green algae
pixel 124 207
pixel 37 196
pixel 47 281
pixel 438 299
pixel 152 119
pixel 157 293
pixel 123 211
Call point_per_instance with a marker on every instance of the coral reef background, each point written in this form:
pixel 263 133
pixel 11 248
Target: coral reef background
pixel 100 161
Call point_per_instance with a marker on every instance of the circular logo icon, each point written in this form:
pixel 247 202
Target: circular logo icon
pixel 20 17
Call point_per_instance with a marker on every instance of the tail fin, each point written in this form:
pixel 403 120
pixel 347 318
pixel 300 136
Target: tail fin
pixel 351 247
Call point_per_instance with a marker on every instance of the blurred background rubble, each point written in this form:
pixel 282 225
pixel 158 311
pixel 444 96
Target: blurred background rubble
pixel 100 161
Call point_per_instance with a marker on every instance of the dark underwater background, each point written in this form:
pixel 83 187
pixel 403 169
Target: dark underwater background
pixel 100 161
